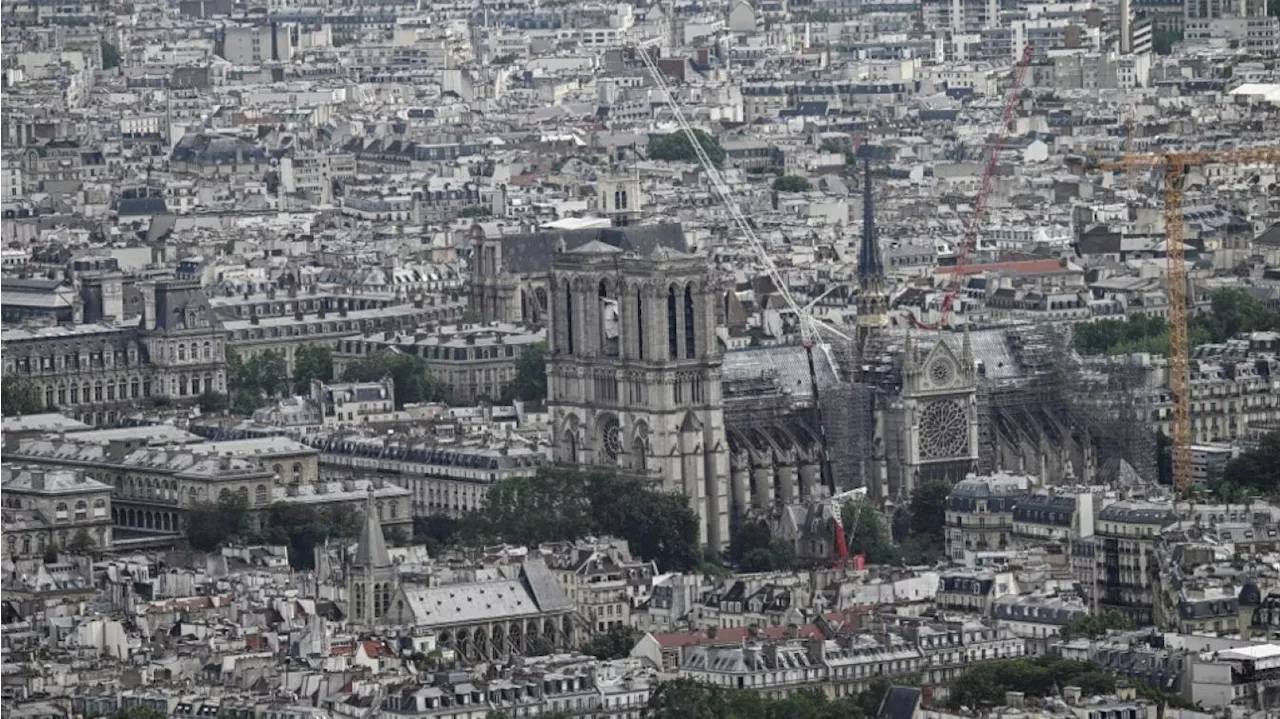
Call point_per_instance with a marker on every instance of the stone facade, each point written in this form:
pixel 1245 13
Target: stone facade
pixel 633 376
pixel 51 509
pixel 98 372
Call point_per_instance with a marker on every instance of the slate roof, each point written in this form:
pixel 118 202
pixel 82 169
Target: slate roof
pixel 372 550
pixel 531 253
pixel 899 703
pixel 140 206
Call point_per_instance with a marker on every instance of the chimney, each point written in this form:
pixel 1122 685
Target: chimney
pixel 926 696
pixel 148 290
pixel 1071 695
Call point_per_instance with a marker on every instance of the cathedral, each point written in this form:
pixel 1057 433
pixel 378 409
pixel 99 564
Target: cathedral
pixel 639 381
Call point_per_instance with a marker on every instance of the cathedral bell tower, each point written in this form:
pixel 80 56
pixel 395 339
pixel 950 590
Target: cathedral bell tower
pixel 633 379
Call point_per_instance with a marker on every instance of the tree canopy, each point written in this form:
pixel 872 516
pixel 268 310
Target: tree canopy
pixel 688 699
pixel 675 147
pixel 20 397
pixel 311 362
pixel 254 381
pixel 792 183
pixel 1232 311
pixel 530 383
pixel 1257 470
pixel 987 682
pixel 412 376
pixel 562 504
pixel 616 643
pixel 110 55
pixel 1092 626
pixel 866 534
pixel 303 527
pixel 211 525
pixel 752 548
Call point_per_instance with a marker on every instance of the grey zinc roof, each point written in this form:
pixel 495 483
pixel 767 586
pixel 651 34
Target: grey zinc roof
pixel 544 588
pixel 372 550
pixel 470 602
pixel 788 364
pixel 55 482
pixel 596 247
pixel 531 253
pixel 1138 513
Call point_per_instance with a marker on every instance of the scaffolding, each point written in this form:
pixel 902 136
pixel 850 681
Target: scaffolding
pixel 848 409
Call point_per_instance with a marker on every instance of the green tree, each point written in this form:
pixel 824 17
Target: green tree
pixel 476 211
pixel 1092 626
pixel 311 362
pixel 213 402
pixel 437 531
pixel 82 543
pixel 110 55
pixel 530 383
pixel 1164 458
pixel 1234 311
pixel 616 643
pixel 675 147
pixel 1036 678
pixel 929 509
pixel 563 504
pixel 304 527
pixel 256 380
pixel 1258 469
pixel 1162 41
pixel 866 534
pixel 211 525
pixel 792 183
pixel 507 59
pixel 753 549
pixel 920 533
pixel 413 381
pixel 20 397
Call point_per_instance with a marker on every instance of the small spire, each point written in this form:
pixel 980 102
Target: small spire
pixel 372 550
pixel 967 348
pixel 870 263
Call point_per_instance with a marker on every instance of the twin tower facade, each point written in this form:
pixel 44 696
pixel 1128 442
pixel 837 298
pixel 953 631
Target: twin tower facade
pixel 634 373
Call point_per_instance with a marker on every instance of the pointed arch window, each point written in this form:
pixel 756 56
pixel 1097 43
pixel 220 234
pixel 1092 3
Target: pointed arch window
pixel 639 324
pixel 690 348
pixel 673 339
pixel 568 313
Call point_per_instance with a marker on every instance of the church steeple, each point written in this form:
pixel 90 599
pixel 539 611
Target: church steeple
pixel 371 553
pixel 371 579
pixel 870 263
pixel 873 299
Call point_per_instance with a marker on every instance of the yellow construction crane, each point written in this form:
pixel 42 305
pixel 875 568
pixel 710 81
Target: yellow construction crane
pixel 1174 166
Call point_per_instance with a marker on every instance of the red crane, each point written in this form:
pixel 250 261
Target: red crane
pixel 980 203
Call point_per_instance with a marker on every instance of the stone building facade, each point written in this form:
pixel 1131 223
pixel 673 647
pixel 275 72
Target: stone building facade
pixel 510 281
pixel 46 509
pixel 633 376
pixel 97 372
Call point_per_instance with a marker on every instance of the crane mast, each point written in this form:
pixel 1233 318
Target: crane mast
pixel 1174 166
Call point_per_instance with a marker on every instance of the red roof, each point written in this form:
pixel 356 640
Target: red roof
pixel 737 635
pixel 1020 267
pixel 376 649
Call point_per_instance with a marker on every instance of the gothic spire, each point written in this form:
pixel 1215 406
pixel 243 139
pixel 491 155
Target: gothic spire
pixel 870 263
pixel 371 553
